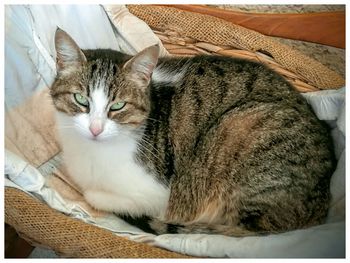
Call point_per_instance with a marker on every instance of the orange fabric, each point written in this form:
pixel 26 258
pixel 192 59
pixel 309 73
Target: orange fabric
pixel 327 28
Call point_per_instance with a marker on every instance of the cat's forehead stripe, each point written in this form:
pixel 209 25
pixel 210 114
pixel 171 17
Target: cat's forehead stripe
pixel 101 74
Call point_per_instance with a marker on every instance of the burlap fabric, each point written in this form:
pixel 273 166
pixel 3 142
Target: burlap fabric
pixel 219 32
pixel 43 226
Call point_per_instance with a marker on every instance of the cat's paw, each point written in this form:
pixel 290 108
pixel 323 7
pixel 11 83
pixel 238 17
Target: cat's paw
pixel 99 200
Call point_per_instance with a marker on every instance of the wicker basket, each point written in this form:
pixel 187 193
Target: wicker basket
pixel 42 226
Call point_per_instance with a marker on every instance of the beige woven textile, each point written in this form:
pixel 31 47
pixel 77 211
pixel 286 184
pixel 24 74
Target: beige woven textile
pixel 219 32
pixel 43 226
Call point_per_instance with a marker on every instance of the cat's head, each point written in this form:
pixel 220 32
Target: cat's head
pixel 101 94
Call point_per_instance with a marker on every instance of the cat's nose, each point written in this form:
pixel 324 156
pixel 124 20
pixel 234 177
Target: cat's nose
pixel 96 127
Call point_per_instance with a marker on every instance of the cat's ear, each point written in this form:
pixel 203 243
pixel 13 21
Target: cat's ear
pixel 141 66
pixel 69 56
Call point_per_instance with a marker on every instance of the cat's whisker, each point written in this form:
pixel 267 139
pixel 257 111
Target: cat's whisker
pixel 150 145
pixel 146 156
pixel 146 139
pixel 108 136
pixel 119 133
pixel 151 119
pixel 148 150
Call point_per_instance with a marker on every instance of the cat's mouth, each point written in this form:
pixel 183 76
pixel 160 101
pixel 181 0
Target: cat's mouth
pixel 94 138
pixel 100 138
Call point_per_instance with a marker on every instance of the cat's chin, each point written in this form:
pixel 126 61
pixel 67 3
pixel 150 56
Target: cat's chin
pixel 95 139
pixel 101 139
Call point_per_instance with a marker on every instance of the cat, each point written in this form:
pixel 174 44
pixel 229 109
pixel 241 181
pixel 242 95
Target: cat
pixel 203 144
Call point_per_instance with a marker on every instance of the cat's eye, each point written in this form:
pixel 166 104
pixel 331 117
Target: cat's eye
pixel 117 106
pixel 81 99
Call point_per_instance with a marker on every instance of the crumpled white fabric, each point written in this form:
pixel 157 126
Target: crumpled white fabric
pixel 29 32
pixel 129 30
pixel 316 242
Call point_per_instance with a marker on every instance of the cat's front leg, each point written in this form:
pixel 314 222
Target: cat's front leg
pixel 107 201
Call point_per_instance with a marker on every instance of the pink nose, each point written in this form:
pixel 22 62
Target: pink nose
pixel 96 127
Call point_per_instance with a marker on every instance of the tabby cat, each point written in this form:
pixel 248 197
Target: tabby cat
pixel 206 144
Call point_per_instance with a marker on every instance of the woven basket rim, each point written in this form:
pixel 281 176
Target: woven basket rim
pixel 42 225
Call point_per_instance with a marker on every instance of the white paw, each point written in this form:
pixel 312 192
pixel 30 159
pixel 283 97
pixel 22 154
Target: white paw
pixel 99 200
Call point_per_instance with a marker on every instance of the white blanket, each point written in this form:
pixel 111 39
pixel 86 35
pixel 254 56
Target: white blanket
pixel 29 54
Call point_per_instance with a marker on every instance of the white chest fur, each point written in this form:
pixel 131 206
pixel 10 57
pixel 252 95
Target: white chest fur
pixel 109 176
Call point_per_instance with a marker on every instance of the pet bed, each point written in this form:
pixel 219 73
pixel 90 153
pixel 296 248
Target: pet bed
pixel 44 206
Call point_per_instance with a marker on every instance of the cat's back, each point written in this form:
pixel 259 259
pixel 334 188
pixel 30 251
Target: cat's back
pixel 205 90
pixel 213 80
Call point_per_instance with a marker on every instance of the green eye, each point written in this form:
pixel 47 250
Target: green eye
pixel 118 106
pixel 82 100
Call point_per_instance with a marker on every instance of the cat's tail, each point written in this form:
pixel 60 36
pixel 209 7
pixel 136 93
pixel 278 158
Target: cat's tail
pixel 198 228
pixel 158 227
